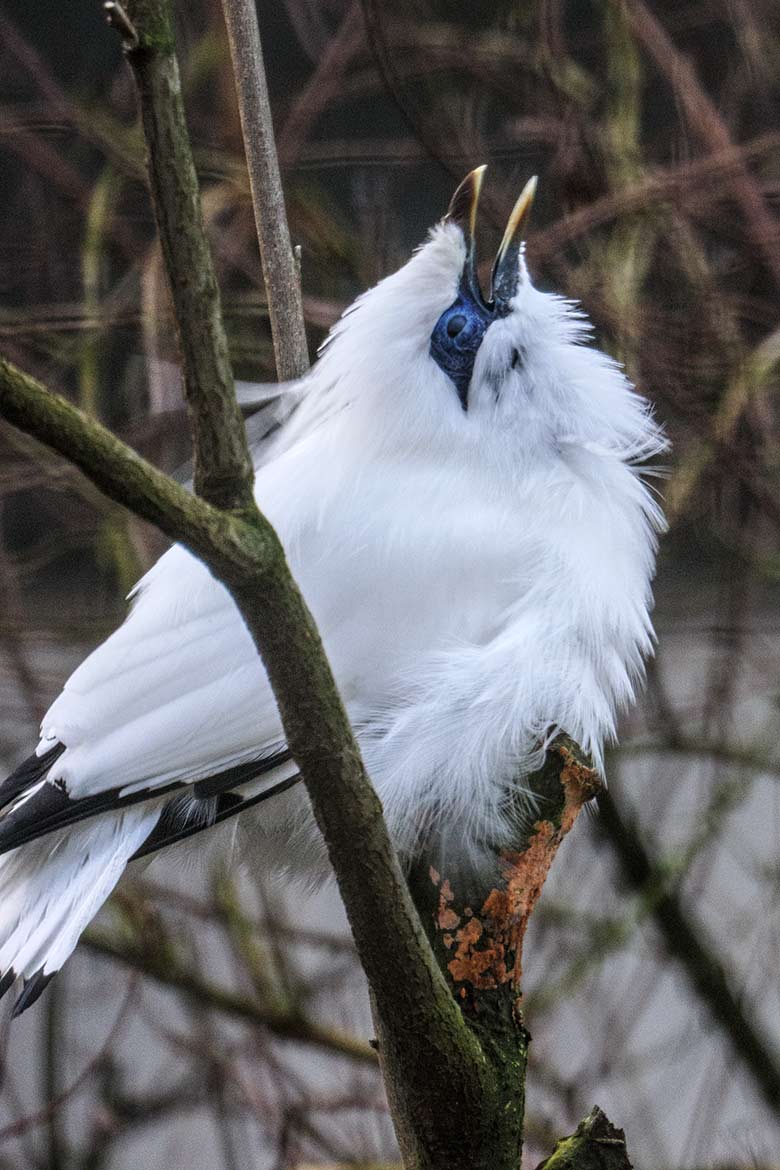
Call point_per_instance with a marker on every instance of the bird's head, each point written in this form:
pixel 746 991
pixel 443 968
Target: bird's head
pixel 427 358
pixel 460 331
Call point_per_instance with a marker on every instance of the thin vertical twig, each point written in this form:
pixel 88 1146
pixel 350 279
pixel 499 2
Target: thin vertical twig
pixel 282 284
pixel 52 1045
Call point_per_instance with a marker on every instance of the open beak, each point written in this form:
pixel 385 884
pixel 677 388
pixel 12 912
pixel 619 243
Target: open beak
pixel 463 211
pixel 506 269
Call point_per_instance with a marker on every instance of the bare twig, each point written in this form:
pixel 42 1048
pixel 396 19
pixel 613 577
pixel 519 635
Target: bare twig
pixel 118 18
pixel 688 184
pixel 283 1024
pixel 279 269
pixel 16 1128
pixel 321 86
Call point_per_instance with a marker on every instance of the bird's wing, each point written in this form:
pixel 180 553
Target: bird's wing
pixel 176 693
pixel 41 808
pixel 176 696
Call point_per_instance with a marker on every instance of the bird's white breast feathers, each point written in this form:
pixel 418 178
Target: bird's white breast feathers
pixel 464 619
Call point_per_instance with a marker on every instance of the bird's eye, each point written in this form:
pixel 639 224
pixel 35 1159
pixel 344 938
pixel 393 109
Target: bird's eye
pixel 455 324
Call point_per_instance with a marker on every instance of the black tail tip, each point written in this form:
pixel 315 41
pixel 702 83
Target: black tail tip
pixel 33 989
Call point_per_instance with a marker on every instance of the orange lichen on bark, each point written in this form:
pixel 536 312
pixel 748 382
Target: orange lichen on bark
pixel 446 917
pixel 580 784
pixel 489 947
pixel 471 964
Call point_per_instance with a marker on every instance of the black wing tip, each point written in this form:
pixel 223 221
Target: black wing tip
pixel 170 831
pixel 31 770
pixel 52 808
pixel 7 981
pixel 33 989
pixel 50 805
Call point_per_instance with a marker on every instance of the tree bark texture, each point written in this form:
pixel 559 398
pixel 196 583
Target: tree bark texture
pixel 223 466
pixel 595 1145
pixel 476 925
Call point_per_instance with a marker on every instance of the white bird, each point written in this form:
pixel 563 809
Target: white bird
pixel 458 486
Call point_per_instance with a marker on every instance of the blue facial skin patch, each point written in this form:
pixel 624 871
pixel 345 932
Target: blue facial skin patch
pixel 457 336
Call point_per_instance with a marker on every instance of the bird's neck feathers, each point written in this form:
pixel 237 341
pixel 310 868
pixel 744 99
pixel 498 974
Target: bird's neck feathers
pixel 376 393
pixel 370 375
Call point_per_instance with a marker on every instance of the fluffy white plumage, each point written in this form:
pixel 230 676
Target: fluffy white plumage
pixel 481 578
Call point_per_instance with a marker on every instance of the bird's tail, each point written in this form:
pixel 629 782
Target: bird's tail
pixel 51 888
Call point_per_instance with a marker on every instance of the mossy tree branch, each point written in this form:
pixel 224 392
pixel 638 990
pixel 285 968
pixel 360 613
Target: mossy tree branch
pixel 595 1145
pixel 476 923
pixel 223 464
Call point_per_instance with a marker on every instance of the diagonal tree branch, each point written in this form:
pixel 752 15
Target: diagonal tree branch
pixel 284 1024
pixel 705 121
pixel 116 469
pixel 685 943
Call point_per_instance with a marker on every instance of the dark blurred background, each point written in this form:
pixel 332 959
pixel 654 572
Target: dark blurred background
pixel 652 972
